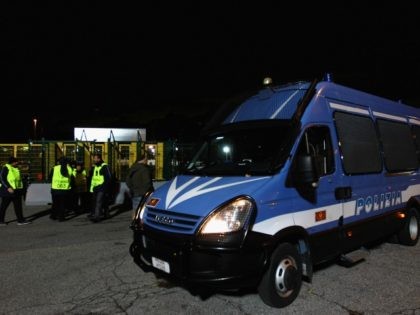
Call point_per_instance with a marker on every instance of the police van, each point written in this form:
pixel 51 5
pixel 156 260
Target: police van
pixel 292 176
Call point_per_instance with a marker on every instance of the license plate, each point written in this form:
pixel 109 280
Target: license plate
pixel 160 264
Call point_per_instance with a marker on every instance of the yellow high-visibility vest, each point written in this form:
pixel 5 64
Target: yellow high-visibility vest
pixel 13 177
pixel 59 181
pixel 97 178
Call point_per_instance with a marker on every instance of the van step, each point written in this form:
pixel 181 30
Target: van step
pixel 353 257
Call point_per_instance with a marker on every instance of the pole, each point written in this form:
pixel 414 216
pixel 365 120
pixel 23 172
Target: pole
pixel 35 121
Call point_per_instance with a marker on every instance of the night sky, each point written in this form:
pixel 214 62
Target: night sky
pixel 168 67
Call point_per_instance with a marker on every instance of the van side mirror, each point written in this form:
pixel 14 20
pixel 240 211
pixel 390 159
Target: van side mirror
pixel 305 174
pixel 305 177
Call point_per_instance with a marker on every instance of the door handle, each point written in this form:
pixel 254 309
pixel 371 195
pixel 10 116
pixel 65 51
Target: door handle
pixel 343 193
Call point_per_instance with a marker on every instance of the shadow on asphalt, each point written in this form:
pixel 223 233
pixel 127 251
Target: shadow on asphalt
pixel 39 214
pixel 202 292
pixel 117 210
pixel 114 211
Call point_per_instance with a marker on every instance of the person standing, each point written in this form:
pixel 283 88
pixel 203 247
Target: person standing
pixel 80 189
pixel 11 190
pixel 61 183
pixel 139 180
pixel 99 187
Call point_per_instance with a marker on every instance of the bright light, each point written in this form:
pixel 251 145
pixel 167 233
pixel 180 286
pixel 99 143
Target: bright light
pixel 35 121
pixel 215 226
pixel 226 150
pixel 152 149
pixel 230 218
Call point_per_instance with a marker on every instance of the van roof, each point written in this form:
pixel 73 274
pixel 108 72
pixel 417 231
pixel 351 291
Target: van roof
pixel 337 92
pixel 280 103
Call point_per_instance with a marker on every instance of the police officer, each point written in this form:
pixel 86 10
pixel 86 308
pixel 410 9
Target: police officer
pixel 99 187
pixel 11 190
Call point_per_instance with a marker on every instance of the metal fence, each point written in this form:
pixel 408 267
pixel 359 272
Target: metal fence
pixel 36 159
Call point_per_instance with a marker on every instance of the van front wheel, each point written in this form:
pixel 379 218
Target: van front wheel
pixel 409 234
pixel 282 281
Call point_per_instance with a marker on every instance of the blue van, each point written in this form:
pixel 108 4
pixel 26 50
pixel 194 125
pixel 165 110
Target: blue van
pixel 293 176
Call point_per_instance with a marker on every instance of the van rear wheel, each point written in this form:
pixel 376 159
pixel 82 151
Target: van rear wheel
pixel 282 281
pixel 409 234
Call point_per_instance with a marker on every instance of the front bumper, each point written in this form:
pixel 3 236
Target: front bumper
pixel 223 268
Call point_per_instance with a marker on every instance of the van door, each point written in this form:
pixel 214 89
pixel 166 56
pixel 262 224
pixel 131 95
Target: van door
pixel 362 168
pixel 320 212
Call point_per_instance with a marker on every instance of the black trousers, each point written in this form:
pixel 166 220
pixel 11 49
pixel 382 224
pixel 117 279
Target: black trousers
pixel 60 203
pixel 17 204
pixel 81 201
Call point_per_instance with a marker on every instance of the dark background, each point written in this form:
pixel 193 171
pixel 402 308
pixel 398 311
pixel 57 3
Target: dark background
pixel 168 67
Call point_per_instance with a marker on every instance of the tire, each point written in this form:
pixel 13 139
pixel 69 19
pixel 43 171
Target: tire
pixel 281 283
pixel 409 234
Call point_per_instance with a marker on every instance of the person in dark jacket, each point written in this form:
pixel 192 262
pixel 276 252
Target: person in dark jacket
pixel 11 190
pixel 80 188
pixel 61 184
pixel 139 180
pixel 100 188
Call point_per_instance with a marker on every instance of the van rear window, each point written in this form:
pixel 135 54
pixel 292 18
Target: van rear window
pixel 398 146
pixel 358 143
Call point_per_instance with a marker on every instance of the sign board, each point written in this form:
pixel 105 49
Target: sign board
pixel 103 134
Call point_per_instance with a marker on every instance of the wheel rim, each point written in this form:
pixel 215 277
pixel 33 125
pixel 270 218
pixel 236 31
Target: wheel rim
pixel 286 277
pixel 413 228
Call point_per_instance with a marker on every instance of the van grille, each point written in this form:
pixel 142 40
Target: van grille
pixel 171 221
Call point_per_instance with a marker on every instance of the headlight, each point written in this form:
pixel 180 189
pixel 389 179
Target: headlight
pixel 220 227
pixel 230 218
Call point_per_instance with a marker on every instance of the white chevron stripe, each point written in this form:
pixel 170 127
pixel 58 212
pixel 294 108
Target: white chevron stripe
pixel 173 191
pixel 306 218
pixel 413 190
pixel 199 189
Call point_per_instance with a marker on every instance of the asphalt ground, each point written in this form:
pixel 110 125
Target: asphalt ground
pixel 80 267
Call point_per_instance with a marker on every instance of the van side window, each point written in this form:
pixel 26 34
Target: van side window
pixel 316 142
pixel 359 143
pixel 416 136
pixel 398 146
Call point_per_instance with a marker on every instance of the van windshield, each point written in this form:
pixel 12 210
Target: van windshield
pixel 242 149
